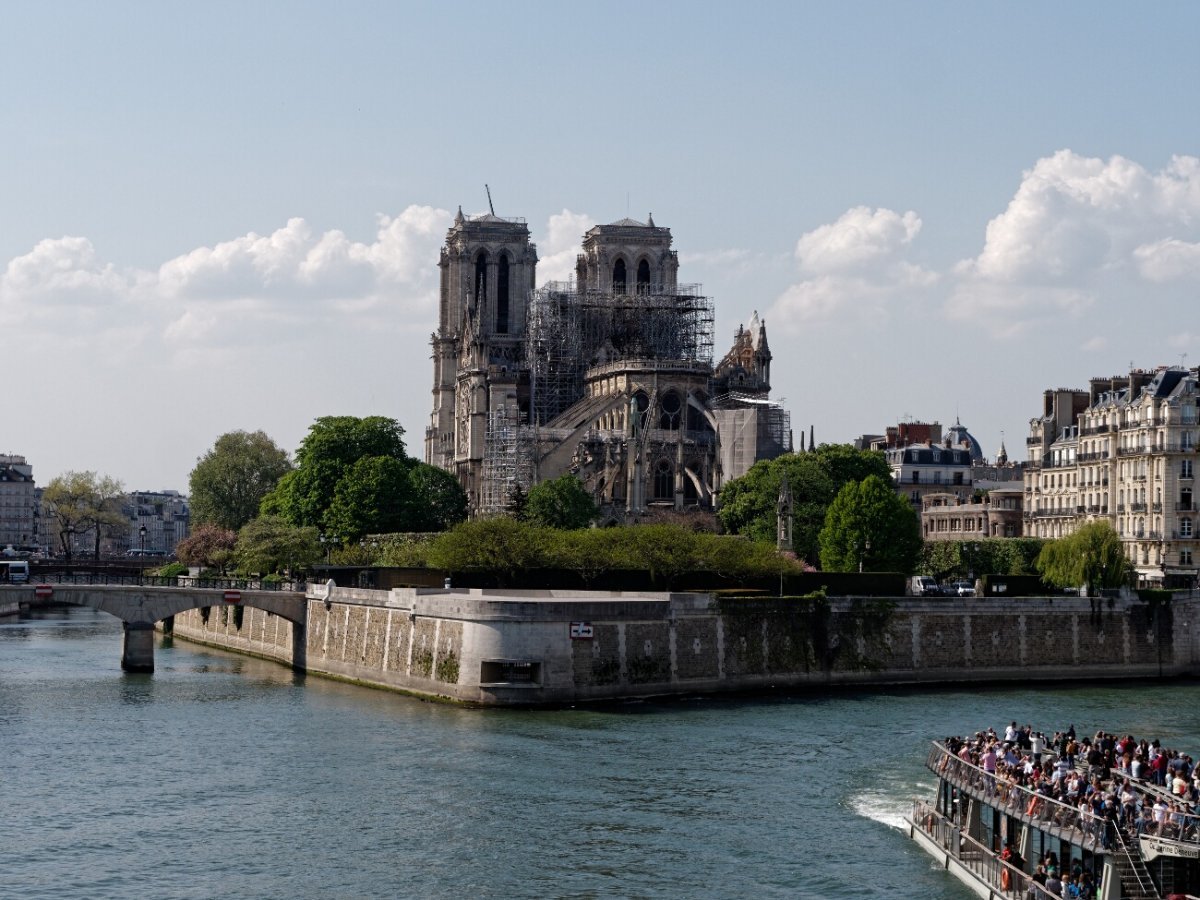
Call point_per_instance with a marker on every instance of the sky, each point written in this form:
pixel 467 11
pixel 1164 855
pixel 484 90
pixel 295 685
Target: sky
pixel 226 216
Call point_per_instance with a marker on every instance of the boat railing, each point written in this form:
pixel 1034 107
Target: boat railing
pixel 1002 878
pixel 1029 806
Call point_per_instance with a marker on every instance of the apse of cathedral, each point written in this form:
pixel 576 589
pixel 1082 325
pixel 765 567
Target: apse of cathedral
pixel 609 377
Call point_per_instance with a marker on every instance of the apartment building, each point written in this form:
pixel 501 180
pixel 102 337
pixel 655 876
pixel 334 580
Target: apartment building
pixel 1123 451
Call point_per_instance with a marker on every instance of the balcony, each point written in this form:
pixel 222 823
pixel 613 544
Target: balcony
pixel 1180 536
pixel 1032 441
pixel 1138 478
pixel 1156 507
pixel 1137 507
pixel 1131 451
pixel 1120 508
pixel 1185 507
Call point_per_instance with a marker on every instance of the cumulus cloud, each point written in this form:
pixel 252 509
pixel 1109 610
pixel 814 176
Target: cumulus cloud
pixel 558 249
pixel 1168 260
pixel 858 262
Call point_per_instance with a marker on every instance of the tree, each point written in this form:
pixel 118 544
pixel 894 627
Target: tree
pixel 271 544
pixel 1091 557
pixel 230 480
pixel 560 503
pixel 209 546
pixel 501 545
pixel 331 447
pixel 869 525
pixel 438 500
pixel 748 503
pixel 80 502
pixel 373 496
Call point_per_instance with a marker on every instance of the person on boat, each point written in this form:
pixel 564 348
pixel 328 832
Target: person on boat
pixel 1053 882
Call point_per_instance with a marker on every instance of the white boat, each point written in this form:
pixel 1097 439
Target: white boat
pixel 977 818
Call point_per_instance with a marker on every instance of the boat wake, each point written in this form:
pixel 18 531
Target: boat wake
pixel 885 808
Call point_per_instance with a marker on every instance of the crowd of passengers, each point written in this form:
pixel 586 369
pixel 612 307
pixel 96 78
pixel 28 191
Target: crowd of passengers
pixel 1139 786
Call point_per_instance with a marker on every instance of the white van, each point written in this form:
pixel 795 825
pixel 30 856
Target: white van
pixel 14 571
pixel 923 586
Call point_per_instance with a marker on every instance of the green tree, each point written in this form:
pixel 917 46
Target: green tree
pixel 333 445
pixel 1090 557
pixel 230 480
pixel 82 502
pixel 270 544
pixel 373 496
pixel 868 524
pixel 208 546
pixel 438 500
pixel 748 503
pixel 500 545
pixel 561 503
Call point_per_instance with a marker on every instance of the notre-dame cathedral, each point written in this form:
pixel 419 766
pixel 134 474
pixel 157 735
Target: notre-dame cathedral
pixel 609 377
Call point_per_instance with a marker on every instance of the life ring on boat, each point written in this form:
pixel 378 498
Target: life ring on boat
pixel 1032 808
pixel 1005 880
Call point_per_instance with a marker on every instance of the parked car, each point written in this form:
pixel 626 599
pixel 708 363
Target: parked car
pixel 924 586
pixel 962 589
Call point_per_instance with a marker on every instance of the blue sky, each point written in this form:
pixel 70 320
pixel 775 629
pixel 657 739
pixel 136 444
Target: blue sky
pixel 221 216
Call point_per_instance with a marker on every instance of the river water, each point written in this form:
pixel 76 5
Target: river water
pixel 220 776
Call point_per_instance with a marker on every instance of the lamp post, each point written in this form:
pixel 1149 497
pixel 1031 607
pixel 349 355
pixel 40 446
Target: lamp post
pixel 862 556
pixel 141 551
pixel 70 545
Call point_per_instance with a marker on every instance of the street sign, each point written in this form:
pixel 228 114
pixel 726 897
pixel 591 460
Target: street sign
pixel 582 631
pixel 233 597
pixel 43 590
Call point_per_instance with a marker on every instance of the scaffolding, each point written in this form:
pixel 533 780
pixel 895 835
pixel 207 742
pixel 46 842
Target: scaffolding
pixel 507 460
pixel 775 426
pixel 571 330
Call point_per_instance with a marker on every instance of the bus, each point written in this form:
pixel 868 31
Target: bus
pixel 14 571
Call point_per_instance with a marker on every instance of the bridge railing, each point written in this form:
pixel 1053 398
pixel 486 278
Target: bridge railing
pixel 176 581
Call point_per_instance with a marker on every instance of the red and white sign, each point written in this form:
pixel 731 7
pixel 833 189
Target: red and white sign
pixel 233 597
pixel 43 590
pixel 582 631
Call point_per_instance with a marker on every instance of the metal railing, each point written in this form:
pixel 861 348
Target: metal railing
pixel 177 581
pixel 1086 828
pixel 975 857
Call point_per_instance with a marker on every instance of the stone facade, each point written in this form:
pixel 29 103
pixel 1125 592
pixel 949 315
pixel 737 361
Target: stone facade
pixel 609 377
pixel 19 513
pixel 1123 451
pixel 512 648
pixel 946 517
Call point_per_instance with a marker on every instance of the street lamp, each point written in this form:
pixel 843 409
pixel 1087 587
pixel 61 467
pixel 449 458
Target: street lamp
pixel 863 555
pixel 141 551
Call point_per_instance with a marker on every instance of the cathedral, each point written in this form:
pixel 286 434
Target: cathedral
pixel 609 377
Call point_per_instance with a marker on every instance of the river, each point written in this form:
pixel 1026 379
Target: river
pixel 221 776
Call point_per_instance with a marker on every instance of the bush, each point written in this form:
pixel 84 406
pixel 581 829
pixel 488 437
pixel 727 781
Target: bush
pixel 171 570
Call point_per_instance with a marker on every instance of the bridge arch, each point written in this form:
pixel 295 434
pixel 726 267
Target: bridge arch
pixel 139 607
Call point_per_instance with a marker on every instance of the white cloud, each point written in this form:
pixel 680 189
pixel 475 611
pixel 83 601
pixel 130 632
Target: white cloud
pixel 861 237
pixel 1094 344
pixel 1168 260
pixel 856 263
pixel 557 251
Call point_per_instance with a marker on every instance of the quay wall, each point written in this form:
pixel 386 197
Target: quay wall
pixel 516 647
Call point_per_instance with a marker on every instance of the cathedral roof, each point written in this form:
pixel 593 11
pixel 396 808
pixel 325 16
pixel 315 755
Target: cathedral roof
pixel 629 223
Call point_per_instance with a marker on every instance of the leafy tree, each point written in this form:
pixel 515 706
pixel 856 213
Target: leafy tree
pixel 865 513
pixel 372 496
pixel 271 544
pixel 331 447
pixel 230 480
pixel 1091 557
pixel 501 545
pixel 81 502
pixel 209 546
pixel 987 556
pixel 561 503
pixel 438 500
pixel 748 503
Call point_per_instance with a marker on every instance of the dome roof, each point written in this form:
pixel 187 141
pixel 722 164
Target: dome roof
pixel 958 436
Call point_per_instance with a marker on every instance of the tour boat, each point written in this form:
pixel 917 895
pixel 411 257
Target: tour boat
pixel 991 834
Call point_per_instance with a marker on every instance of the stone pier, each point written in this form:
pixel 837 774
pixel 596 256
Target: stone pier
pixel 138 653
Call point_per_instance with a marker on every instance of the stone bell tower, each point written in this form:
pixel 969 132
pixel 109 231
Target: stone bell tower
pixel 488 266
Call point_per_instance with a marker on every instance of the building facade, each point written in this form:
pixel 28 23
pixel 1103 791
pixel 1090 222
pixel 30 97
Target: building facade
pixel 1123 451
pixel 20 519
pixel 609 377
pixel 995 514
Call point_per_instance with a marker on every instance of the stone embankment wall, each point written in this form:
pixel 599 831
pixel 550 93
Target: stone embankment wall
pixel 514 648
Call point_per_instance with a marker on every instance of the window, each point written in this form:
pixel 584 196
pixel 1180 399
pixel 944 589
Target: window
pixel 502 296
pixel 1185 557
pixel 664 481
pixel 618 285
pixel 671 406
pixel 480 278
pixel 916 479
pixel 643 277
pixel 1185 528
pixel 1185 468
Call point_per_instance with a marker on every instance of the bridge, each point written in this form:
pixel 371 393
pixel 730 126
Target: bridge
pixel 141 606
